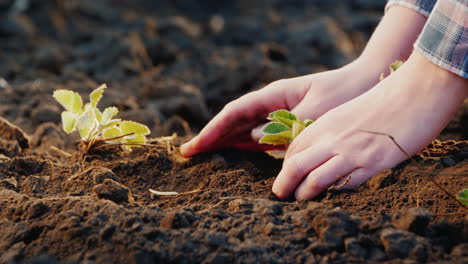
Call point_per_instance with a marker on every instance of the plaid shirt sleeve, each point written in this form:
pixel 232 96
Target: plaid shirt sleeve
pixel 424 7
pixel 444 38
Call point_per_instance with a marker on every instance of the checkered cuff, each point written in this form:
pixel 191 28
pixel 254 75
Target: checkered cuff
pixel 444 39
pixel 424 7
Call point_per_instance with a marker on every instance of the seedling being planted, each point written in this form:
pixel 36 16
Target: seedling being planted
pixel 97 127
pixel 283 128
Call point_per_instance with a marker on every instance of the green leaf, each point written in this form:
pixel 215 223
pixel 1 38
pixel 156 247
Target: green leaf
pixel 139 139
pixel 111 132
pixel 296 129
pixel 85 124
pixel 275 128
pixel 283 138
pixel 97 114
pixel 283 116
pixel 108 114
pixel 96 95
pixel 69 100
pixel 112 122
pixel 68 121
pixel 128 127
pixel 308 122
pixel 463 197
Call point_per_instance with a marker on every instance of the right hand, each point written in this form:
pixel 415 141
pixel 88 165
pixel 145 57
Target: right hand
pixel 239 122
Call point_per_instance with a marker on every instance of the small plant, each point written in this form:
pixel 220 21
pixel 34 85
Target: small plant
pixel 95 126
pixel 283 128
pixel 463 197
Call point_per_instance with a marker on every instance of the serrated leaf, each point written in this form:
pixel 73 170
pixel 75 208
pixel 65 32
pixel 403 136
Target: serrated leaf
pixel 68 121
pixel 297 128
pixel 128 127
pixel 96 95
pixel 283 138
pixel 97 114
pixel 283 116
pixel 111 132
pixel 108 114
pixel 69 100
pixel 463 197
pixel 308 122
pixel 275 128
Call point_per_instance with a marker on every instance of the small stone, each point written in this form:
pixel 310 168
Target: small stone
pixel 113 191
pixel 448 161
pixel 397 243
pixel 412 219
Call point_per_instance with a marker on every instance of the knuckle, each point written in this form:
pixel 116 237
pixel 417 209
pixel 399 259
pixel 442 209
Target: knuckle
pixel 317 185
pixel 293 168
pixel 230 106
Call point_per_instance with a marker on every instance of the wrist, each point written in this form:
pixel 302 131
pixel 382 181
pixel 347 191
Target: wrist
pixel 435 78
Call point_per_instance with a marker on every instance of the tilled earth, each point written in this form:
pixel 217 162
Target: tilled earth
pixel 172 65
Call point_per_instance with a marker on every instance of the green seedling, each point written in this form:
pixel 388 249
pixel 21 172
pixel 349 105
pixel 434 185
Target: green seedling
pixel 95 126
pixel 283 128
pixel 463 197
pixel 393 67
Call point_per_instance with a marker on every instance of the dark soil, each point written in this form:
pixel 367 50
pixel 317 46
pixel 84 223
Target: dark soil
pixel 172 65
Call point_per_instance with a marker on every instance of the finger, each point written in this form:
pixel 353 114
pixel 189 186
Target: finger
pixel 303 141
pixel 322 177
pixel 257 133
pixel 246 112
pixel 356 178
pixel 297 167
pixel 237 114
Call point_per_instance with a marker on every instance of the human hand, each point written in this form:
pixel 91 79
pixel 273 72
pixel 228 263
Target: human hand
pixel 309 97
pixel 336 147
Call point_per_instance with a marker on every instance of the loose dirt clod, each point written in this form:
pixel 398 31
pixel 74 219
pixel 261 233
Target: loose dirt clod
pixel 113 191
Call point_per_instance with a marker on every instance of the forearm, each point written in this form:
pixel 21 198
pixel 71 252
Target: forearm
pixel 393 38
